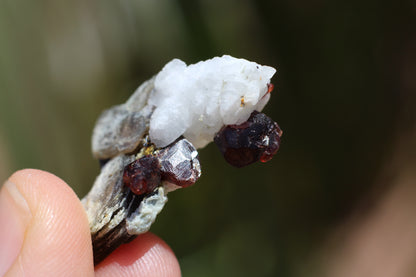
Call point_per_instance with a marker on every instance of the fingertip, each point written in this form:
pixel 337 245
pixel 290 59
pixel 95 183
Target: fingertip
pixel 147 255
pixel 57 240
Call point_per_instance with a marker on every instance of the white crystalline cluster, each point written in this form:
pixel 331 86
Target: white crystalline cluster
pixel 197 100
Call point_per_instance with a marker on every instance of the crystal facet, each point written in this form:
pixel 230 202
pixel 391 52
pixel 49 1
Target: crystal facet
pixel 180 164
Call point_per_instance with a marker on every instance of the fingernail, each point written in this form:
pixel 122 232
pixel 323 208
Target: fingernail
pixel 14 218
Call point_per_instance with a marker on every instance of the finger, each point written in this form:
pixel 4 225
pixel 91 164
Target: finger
pixel 147 255
pixel 47 231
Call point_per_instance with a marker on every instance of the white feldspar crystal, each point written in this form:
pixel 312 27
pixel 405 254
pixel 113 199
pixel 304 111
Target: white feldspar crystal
pixel 140 221
pixel 197 100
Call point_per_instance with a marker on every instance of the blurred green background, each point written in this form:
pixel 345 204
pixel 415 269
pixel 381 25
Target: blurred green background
pixel 343 95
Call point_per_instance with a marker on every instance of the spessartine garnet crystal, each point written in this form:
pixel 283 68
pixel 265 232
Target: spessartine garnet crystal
pixel 256 139
pixel 179 163
pixel 143 175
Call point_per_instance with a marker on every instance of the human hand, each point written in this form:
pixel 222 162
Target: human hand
pixel 44 232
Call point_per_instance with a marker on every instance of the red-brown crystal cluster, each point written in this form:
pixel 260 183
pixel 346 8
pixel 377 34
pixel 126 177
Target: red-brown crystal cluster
pixel 256 139
pixel 177 163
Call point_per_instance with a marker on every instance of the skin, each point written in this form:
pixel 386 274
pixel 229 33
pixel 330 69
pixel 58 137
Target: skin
pixel 44 232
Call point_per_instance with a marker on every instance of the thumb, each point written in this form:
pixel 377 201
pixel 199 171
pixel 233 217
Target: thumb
pixel 43 228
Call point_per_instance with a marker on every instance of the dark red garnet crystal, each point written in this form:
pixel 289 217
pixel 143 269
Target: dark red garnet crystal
pixel 143 175
pixel 256 139
pixel 179 163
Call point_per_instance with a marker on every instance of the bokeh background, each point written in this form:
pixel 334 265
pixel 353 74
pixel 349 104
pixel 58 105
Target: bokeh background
pixel 339 199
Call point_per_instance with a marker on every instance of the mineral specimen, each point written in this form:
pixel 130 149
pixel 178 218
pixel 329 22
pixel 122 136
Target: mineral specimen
pixel 147 146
